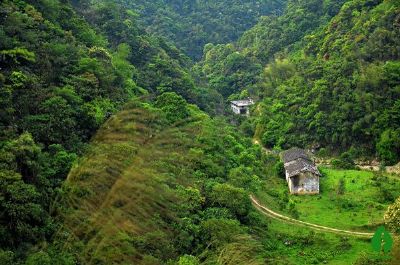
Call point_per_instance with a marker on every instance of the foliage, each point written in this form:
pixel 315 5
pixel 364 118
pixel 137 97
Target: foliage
pixel 382 241
pixel 345 161
pixel 293 210
pixel 39 258
pixel 161 182
pixel 392 216
pixel 64 70
pixel 171 189
pixel 22 210
pixel 188 260
pixel 325 89
pixel 193 24
pixel 279 169
pixel 388 147
pixel 326 74
pixel 341 187
pixel 173 105
pixel 364 201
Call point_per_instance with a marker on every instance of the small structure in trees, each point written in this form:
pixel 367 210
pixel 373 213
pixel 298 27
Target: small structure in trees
pixel 302 175
pixel 242 107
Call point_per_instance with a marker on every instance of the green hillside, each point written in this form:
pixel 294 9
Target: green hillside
pixel 193 24
pixel 148 191
pixel 325 77
pixel 151 192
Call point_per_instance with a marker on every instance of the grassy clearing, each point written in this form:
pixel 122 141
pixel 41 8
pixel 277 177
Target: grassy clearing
pixel 365 198
pixel 299 245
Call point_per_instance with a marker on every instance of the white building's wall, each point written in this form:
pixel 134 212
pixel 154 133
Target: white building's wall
pixel 237 109
pixel 304 183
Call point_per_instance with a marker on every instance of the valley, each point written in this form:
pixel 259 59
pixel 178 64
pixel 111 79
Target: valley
pixel 118 144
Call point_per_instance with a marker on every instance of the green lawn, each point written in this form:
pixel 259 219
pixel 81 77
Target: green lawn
pixel 298 245
pixel 360 207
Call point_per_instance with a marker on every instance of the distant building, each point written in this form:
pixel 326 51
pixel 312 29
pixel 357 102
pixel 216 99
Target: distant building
pixel 242 107
pixel 302 175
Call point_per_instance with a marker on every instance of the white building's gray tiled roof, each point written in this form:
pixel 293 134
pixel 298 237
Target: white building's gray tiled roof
pixel 243 102
pixel 296 160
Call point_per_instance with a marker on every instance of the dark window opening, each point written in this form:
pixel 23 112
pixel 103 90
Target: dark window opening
pixel 296 181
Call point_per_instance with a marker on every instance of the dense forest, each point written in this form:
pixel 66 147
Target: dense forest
pixel 116 135
pixel 192 24
pixel 322 82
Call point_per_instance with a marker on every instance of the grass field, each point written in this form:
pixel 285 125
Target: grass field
pixel 299 245
pixel 365 198
pixel 360 208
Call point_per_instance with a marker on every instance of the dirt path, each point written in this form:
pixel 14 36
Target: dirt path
pixel 268 212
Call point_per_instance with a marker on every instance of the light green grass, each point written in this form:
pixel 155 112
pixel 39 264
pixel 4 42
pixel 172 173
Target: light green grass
pixel 360 208
pixel 324 248
pixel 366 209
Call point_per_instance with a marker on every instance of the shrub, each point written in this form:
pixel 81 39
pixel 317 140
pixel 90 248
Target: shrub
pixel 173 105
pixel 344 244
pixel 309 239
pixel 388 147
pixel 39 258
pixel 392 216
pixel 345 161
pixel 341 186
pixel 279 169
pixel 293 210
pixel 323 152
pixel 188 260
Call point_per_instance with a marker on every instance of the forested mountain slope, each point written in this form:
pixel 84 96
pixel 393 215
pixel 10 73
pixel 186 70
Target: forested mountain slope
pixel 162 182
pixel 192 24
pixel 322 81
pixel 151 189
pixel 234 67
pixel 60 79
pixel 341 89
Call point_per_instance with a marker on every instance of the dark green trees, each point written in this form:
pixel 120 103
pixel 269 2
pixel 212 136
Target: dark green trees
pixel 193 24
pixel 173 105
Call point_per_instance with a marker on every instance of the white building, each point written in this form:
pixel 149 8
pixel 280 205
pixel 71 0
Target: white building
pixel 302 175
pixel 242 106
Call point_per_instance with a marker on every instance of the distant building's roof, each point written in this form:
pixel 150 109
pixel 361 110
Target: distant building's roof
pixel 299 165
pixel 296 160
pixel 293 154
pixel 243 102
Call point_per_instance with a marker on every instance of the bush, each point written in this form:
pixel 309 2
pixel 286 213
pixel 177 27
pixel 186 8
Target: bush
pixel 173 105
pixel 188 260
pixel 39 258
pixel 6 257
pixel 323 152
pixel 345 161
pixel 392 216
pixel 309 239
pixel 341 188
pixel 279 169
pixel 293 210
pixel 388 147
pixel 344 244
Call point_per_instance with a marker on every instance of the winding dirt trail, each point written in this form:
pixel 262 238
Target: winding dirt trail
pixel 268 212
